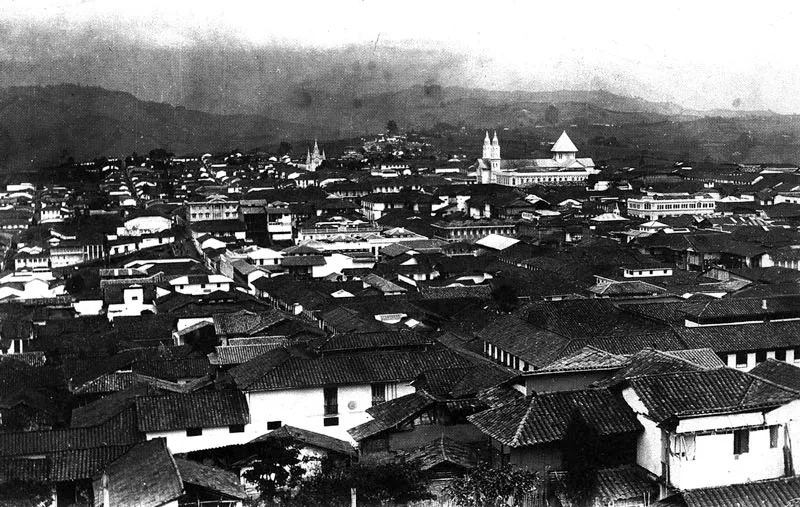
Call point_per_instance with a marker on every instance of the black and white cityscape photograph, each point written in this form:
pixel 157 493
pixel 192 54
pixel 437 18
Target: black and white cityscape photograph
pixel 361 253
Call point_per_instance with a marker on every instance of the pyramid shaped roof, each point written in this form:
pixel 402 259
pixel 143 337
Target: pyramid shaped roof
pixel 564 144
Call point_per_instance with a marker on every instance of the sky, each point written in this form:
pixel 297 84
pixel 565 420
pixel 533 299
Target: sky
pixel 699 54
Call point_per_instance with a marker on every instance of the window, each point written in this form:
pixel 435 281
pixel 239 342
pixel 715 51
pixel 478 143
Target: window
pixel 331 421
pixel 741 442
pixel 378 394
pixel 761 356
pixel 236 428
pixel 273 425
pixel 773 437
pixel 780 354
pixel 194 432
pixel 741 359
pixel 331 395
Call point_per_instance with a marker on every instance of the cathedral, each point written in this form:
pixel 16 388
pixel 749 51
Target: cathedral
pixel 315 159
pixel 564 168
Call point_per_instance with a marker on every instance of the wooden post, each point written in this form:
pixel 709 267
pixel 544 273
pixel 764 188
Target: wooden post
pixel 353 501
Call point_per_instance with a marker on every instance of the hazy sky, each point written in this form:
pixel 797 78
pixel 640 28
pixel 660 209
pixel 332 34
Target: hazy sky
pixel 700 54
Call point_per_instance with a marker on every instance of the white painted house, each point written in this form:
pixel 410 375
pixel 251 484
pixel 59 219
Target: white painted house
pixel 197 285
pixel 329 394
pixel 714 428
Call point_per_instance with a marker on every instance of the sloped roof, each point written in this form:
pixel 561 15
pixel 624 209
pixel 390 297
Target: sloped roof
pixel 145 476
pixel 544 418
pixel 497 242
pixel 374 340
pixel 587 358
pixel 390 414
pixel 224 355
pixel 445 450
pixel 722 390
pixel 310 438
pixel 211 478
pixel 564 144
pixel 622 483
pixel 778 372
pixel 770 493
pixel 201 409
pixel 454 383
pixel 245 322
pixel 652 362
pixel 278 370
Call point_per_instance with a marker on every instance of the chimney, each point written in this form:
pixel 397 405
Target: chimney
pixel 763 304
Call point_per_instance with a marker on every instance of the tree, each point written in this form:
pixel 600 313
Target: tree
pixel 276 470
pixel 485 486
pixel 581 451
pixel 75 284
pixel 376 483
pixel 551 114
pixel 391 127
pixel 284 148
pixel 505 296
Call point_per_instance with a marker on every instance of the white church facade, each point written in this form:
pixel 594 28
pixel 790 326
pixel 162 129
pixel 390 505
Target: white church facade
pixel 565 168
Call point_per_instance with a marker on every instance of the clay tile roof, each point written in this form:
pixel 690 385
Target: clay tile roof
pixel 201 409
pixel 445 450
pixel 778 372
pixel 544 418
pixel 587 358
pixel 722 390
pixel 771 493
pixel 311 439
pixel 145 476
pixel 390 414
pixel 623 483
pixel 211 478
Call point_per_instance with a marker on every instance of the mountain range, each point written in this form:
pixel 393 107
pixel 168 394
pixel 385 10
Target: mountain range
pixel 46 125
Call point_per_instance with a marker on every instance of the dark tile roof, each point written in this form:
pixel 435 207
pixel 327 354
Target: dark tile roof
pixel 311 439
pixel 536 346
pixel 771 493
pixel 623 483
pixel 107 407
pixel 583 318
pixel 704 357
pixel 211 478
pixel 544 418
pixel 452 383
pixel 145 476
pixel 201 409
pixel 651 362
pixel 119 431
pixel 225 355
pixel 279 370
pixel 742 337
pixel 778 372
pixel 246 323
pixel 444 450
pixel 390 414
pixel 718 391
pixel 587 358
pixel 374 340
pixel 70 465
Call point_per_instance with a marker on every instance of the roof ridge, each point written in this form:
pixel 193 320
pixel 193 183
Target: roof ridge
pixel 518 433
